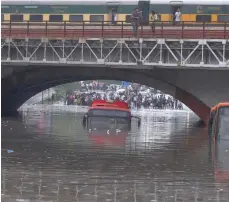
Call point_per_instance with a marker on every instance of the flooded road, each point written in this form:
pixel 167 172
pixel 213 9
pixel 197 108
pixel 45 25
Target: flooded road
pixel 47 156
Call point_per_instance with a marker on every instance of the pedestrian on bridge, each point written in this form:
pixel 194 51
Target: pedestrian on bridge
pixel 178 16
pixel 154 18
pixel 135 21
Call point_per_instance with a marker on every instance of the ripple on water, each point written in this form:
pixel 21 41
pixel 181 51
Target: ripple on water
pixel 54 159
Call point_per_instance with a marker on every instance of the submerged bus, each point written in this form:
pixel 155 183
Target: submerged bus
pixel 109 118
pixel 218 130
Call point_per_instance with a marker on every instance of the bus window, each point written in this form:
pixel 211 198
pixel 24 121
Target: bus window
pixel 223 123
pixel 105 123
pixel 99 123
pixel 107 113
pixel 122 124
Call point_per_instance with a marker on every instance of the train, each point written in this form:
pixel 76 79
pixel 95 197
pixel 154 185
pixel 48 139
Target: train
pixel 216 11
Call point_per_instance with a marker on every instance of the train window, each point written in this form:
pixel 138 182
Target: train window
pixel 223 18
pixel 56 18
pixel 2 17
pixel 96 18
pixel 30 6
pixel 128 18
pixel 76 18
pixel 36 18
pixel 203 18
pixel 16 18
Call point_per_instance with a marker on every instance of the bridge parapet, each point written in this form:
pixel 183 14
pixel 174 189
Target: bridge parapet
pixel 88 29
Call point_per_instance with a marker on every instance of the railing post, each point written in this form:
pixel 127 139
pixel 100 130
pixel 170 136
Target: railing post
pixel 182 30
pixel 225 30
pixel 102 28
pixel 83 28
pixel 27 29
pixel 46 28
pixel 203 34
pixel 141 30
pixel 122 30
pixel 162 30
pixel 10 29
pixel 64 29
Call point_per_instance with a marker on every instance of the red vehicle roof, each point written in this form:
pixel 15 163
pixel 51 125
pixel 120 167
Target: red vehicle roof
pixel 222 104
pixel 102 104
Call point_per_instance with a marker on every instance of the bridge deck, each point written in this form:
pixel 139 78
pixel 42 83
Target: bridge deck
pixel 77 30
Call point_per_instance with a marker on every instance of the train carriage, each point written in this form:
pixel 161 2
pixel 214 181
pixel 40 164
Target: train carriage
pixel 100 10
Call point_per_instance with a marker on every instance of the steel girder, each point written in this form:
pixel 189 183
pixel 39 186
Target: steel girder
pixel 121 52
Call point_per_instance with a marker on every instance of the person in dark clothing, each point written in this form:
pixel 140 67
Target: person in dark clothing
pixel 135 21
pixel 114 17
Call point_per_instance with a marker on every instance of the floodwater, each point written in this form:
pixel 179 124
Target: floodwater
pixel 47 156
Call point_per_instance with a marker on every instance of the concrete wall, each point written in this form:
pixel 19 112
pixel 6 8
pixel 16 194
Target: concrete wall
pixel 198 88
pixel 38 97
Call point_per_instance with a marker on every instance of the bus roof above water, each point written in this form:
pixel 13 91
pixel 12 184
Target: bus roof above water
pixel 218 114
pixel 221 104
pixel 102 104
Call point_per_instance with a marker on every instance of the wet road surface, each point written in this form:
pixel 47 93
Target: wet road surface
pixel 47 156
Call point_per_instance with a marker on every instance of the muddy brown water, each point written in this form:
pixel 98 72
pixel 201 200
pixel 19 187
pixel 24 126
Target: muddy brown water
pixel 47 156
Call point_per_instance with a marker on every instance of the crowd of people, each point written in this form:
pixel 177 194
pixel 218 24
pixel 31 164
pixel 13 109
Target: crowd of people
pixel 135 95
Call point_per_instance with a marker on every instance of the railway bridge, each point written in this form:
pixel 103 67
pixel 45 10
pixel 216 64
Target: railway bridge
pixel 187 61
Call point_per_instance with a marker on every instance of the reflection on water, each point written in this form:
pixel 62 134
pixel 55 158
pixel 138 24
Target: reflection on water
pixel 54 159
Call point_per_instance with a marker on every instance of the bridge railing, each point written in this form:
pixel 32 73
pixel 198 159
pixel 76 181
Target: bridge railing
pixel 89 29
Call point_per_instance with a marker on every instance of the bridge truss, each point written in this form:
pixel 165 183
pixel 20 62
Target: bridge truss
pixel 118 52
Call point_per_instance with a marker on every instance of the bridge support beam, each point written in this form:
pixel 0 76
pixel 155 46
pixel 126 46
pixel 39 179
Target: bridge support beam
pixel 118 51
pixel 197 106
pixel 198 89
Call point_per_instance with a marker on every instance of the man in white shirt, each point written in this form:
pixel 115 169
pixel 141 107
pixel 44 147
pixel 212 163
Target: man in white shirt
pixel 154 18
pixel 178 16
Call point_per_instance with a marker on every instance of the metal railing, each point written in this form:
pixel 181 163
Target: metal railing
pixel 88 29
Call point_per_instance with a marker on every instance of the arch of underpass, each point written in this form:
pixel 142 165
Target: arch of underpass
pixel 21 82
